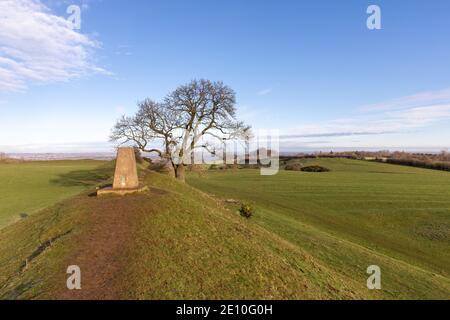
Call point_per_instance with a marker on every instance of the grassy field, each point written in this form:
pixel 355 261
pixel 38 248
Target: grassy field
pixel 27 187
pixel 358 214
pixel 172 242
pixel 312 237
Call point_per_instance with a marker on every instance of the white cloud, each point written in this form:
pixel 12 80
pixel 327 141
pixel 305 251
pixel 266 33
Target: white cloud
pixel 37 46
pixel 120 110
pixel 416 100
pixel 66 147
pixel 123 50
pixel 381 123
pixel 404 115
pixel 264 92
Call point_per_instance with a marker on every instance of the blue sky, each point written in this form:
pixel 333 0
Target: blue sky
pixel 311 69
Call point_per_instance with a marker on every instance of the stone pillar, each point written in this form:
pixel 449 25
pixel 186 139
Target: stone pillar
pixel 125 176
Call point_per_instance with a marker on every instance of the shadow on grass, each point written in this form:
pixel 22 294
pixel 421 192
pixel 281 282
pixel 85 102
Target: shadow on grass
pixel 84 178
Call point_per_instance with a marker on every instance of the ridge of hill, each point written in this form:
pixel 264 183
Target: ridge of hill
pixel 171 242
pixel 177 242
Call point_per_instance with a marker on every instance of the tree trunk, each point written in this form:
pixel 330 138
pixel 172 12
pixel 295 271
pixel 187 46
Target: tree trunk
pixel 179 172
pixel 171 170
pixel 235 162
pixel 247 152
pixel 192 153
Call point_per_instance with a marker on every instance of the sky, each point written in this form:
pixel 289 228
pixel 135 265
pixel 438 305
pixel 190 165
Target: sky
pixel 311 69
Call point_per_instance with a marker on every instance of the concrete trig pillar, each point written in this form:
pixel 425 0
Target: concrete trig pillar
pixel 125 175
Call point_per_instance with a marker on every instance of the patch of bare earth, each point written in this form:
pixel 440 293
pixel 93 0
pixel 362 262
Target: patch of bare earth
pixel 104 247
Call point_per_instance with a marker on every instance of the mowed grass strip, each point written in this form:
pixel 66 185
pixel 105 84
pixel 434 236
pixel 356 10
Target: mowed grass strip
pixel 27 187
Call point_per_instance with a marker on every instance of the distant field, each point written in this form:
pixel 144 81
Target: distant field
pixel 28 187
pixel 356 215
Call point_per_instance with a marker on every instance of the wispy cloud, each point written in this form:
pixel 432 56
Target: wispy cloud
pixel 330 134
pixel 120 110
pixel 416 100
pixel 37 46
pixel 264 92
pixel 380 123
pixel 123 50
pixel 85 4
pixel 97 146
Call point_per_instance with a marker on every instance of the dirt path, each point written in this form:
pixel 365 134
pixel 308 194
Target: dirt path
pixel 105 247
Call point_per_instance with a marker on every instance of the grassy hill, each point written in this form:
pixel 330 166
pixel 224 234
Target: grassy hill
pixel 27 187
pixel 359 214
pixel 176 241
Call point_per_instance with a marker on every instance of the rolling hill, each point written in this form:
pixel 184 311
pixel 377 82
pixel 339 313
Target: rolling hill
pixel 177 242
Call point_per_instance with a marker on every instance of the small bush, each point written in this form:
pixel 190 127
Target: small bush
pixel 163 167
pixel 197 167
pixel 149 160
pixel 246 210
pixel 293 167
pixel 315 169
pixel 221 166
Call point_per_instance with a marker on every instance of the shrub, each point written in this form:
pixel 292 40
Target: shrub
pixel 197 167
pixel 222 166
pixel 444 166
pixel 293 167
pixel 246 210
pixel 164 167
pixel 315 169
pixel 147 159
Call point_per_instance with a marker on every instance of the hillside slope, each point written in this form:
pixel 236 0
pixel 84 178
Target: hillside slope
pixel 176 242
pixel 358 214
pixel 171 242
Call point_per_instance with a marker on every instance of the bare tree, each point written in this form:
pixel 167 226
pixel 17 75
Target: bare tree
pixel 247 135
pixel 181 122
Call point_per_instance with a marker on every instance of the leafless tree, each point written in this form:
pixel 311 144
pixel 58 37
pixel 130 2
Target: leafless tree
pixel 181 122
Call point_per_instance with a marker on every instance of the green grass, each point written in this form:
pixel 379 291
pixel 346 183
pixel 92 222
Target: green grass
pixel 25 188
pixel 191 247
pixel 360 213
pixel 185 245
pixel 312 237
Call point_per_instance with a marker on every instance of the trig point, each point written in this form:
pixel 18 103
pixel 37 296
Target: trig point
pixel 125 176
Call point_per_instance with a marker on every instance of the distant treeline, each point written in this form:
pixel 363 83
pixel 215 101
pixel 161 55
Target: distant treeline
pixel 439 161
pixel 436 165
pixel 436 161
pixel 360 155
pixel 3 157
